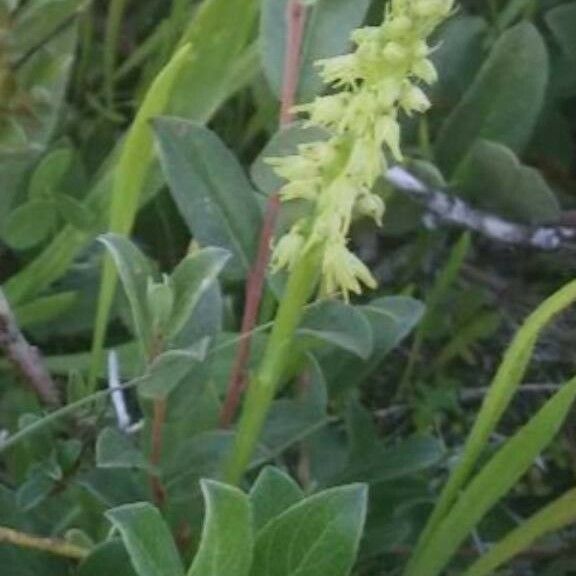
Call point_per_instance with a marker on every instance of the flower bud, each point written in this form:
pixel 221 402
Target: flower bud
pixel 413 99
pixel 372 206
pixel 394 53
pixel 287 250
pixel 425 70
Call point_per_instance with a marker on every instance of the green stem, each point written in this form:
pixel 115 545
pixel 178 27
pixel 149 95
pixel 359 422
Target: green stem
pixel 263 387
pixel 116 11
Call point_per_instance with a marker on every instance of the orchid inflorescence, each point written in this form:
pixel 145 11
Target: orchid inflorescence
pixel 381 78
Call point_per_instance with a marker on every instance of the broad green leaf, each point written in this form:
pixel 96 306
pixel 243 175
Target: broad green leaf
pixel 273 493
pixel 457 58
pixel 382 463
pixel 130 175
pixel 227 540
pixel 502 389
pixel 168 370
pixel 115 450
pixel 49 173
pixel 135 272
pixel 210 189
pixel 562 22
pixel 147 539
pixel 491 484
pixel 110 557
pixel 494 180
pixel 30 224
pixel 553 517
pixel 318 536
pixel 190 281
pixel 492 107
pixel 391 320
pixel 343 326
pixel 327 34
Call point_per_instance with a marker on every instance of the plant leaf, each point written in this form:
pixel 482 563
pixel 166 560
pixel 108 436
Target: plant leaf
pixel 273 493
pixel 555 516
pixel 190 281
pixel 492 483
pixel 227 541
pixel 336 323
pixel 210 189
pixel 135 272
pixel 502 389
pixel 148 540
pixel 316 537
pixel 491 108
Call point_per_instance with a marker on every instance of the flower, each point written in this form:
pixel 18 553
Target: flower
pixel 376 82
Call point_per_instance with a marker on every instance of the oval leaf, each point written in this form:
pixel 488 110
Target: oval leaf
pixel 316 537
pixel 226 544
pixel 147 539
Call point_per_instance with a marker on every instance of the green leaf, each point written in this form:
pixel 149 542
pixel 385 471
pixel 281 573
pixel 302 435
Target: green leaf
pixel 273 493
pixel 381 463
pixel 75 213
pixel 327 34
pixel 341 325
pixel 494 180
pixel 30 224
pixel 504 102
pixel 227 541
pixel 39 21
pixel 391 320
pixel 190 281
pixel 210 189
pixel 553 517
pixel 501 391
pixel 135 272
pixel 562 22
pixel 169 369
pixel 219 35
pixel 316 537
pixel 492 483
pixel 147 539
pixel 50 172
pixel 115 450
pixel 44 309
pixel 134 163
pixel 108 558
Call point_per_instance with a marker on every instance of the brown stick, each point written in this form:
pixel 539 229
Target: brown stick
pixel 51 545
pixel 25 358
pixel 296 17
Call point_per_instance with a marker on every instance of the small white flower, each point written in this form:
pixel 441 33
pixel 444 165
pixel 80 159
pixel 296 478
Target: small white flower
pixel 413 99
pixel 288 250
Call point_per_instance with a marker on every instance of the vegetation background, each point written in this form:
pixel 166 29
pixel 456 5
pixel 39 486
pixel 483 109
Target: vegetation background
pixel 103 130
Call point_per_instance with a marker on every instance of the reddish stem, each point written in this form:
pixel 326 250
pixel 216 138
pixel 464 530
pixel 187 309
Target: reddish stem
pixel 158 420
pixel 296 19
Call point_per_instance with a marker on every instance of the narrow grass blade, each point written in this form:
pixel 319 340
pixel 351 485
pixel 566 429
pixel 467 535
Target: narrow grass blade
pixel 135 161
pixel 492 483
pixel 502 389
pixel 555 516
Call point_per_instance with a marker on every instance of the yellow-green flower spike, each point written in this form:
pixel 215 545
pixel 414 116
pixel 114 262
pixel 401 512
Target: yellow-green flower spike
pixel 379 80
